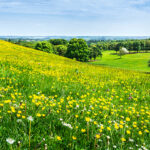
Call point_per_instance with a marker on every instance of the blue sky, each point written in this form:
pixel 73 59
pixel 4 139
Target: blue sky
pixel 75 17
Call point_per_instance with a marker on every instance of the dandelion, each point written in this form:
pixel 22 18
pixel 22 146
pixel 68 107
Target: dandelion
pixel 58 138
pixel 128 132
pixel 30 118
pixel 97 136
pixel 121 126
pixel 74 138
pixel 87 119
pixel 123 139
pixel 140 132
pixel 108 128
pixel 38 115
pixel 127 119
pixel 83 130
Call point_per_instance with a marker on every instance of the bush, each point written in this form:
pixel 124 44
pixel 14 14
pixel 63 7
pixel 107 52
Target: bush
pixel 61 50
pixel 44 46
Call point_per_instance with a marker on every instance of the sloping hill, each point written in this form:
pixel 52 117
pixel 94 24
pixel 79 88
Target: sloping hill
pixel 137 62
pixel 51 102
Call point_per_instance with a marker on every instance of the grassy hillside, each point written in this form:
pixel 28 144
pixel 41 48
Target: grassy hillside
pixel 138 62
pixel 51 102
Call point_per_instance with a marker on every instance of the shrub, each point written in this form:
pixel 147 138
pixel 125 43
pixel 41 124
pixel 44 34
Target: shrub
pixel 44 46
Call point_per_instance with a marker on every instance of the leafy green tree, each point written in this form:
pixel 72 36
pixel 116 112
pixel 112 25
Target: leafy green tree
pixel 78 49
pixel 61 50
pixel 90 53
pixel 137 46
pixel 44 46
pixel 58 41
pixel 118 46
pixel 95 51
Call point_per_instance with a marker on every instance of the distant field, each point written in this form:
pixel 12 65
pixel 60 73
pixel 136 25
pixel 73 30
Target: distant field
pixel 138 62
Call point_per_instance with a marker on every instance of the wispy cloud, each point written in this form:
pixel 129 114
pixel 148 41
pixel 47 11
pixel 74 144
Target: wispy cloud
pixel 99 14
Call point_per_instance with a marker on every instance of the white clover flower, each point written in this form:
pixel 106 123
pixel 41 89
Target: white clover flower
pixel 131 140
pixel 19 120
pixel 114 146
pixel 45 146
pixel 144 148
pixel 130 147
pixel 10 141
pixel 38 93
pixel 30 118
pixel 77 106
pixel 61 119
pixel 67 125
pixel 98 126
pixel 108 137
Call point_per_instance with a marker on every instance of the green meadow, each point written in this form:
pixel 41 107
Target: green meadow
pixel 137 62
pixel 49 102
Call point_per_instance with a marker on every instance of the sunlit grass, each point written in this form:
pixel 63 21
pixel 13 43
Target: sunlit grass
pixel 72 105
pixel 137 62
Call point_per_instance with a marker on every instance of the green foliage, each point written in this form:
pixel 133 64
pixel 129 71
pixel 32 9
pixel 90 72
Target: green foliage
pixel 78 49
pixel 95 51
pixel 58 41
pixel 44 46
pixel 131 45
pixel 61 50
pixel 137 46
pixel 118 46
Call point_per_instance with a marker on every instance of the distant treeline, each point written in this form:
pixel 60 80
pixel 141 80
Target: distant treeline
pixel 131 45
pixel 82 50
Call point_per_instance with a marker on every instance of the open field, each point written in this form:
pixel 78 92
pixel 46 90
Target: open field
pixel 137 62
pixel 52 102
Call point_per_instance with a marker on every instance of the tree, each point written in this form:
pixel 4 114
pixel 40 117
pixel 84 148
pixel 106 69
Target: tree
pixel 95 51
pixel 58 41
pixel 44 46
pixel 61 50
pixel 123 51
pixel 90 53
pixel 118 46
pixel 137 46
pixel 78 49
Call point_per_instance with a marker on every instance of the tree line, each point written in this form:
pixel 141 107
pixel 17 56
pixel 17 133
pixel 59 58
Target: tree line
pixel 130 45
pixel 82 50
pixel 75 48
